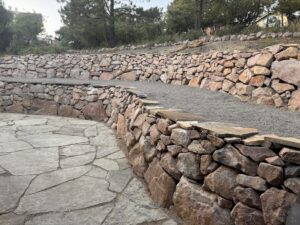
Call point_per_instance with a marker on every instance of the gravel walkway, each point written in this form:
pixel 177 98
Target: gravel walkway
pixel 213 106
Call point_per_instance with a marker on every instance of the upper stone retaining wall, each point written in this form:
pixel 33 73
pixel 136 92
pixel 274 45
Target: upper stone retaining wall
pixel 213 173
pixel 270 76
pixel 201 40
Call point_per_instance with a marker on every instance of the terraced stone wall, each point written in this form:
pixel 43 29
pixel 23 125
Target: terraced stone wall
pixel 270 76
pixel 212 173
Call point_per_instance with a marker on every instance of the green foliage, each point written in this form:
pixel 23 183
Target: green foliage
pixel 180 16
pixel 289 7
pixel 25 28
pixel 5 32
pixel 92 23
pixel 44 48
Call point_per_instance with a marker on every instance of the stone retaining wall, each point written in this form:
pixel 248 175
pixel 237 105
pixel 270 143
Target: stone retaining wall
pixel 270 76
pixel 212 173
pixel 204 39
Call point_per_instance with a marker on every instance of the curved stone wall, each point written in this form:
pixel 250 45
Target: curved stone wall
pixel 201 40
pixel 270 76
pixel 213 173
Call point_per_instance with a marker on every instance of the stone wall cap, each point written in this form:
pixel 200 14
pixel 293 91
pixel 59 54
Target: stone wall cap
pixel 176 115
pixel 287 141
pixel 254 140
pixel 148 102
pixel 227 129
pixel 137 93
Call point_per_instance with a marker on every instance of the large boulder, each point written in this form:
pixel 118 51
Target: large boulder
pixel 275 205
pixel 199 207
pixel 294 103
pixel 222 181
pixel 244 215
pixel 161 185
pixel 94 111
pixel 287 71
pixel 230 156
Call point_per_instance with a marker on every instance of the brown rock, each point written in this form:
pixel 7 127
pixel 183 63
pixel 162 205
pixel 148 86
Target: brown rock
pixel 216 141
pixel 207 165
pixel 174 149
pixel 246 76
pixel 287 71
pixel 129 140
pixel 163 125
pixel 290 52
pixel 290 155
pixel 197 148
pixel 161 185
pixel 257 81
pixel 258 154
pixel 149 150
pixel 195 82
pixel 231 157
pixel 273 174
pixel 129 76
pixel 275 160
pixel 43 107
pixel 243 89
pixel 265 59
pixel 17 107
pixel 252 61
pixel 121 126
pixel 106 76
pixel 154 134
pixel 247 196
pixel 68 111
pixel 275 205
pixel 260 70
pixel 180 137
pixel 137 160
pixel 282 87
pixel 168 163
pixel 241 62
pixel 139 121
pixel 199 207
pixel 278 100
pixel 94 111
pixel 222 182
pixel 293 184
pixel 256 183
pixel 189 165
pixel 227 85
pixel 244 215
pixel 294 103
pixel 214 86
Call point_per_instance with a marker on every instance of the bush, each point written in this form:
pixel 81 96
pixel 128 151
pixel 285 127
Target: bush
pixel 44 49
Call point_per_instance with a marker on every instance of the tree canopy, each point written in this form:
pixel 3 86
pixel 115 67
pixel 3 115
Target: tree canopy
pixel 5 32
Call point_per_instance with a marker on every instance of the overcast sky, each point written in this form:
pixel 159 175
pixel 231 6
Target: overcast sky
pixel 49 9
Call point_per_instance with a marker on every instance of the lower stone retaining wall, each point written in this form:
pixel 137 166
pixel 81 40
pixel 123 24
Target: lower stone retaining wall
pixel 212 173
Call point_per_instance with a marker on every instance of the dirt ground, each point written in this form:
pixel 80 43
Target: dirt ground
pixel 213 46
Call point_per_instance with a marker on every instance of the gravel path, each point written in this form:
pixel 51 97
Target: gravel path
pixel 213 106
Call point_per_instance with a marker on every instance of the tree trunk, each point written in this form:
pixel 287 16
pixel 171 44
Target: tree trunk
pixel 111 28
pixel 199 14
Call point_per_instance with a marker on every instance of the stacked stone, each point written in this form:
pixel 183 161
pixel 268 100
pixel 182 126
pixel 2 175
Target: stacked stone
pixel 270 76
pixel 213 173
pixel 204 39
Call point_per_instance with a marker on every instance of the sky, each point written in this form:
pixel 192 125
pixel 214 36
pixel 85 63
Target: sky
pixel 49 9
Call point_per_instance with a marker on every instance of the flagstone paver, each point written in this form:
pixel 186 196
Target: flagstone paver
pixel 63 171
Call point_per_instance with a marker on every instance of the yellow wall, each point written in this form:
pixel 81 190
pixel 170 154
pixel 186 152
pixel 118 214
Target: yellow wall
pixel 262 23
